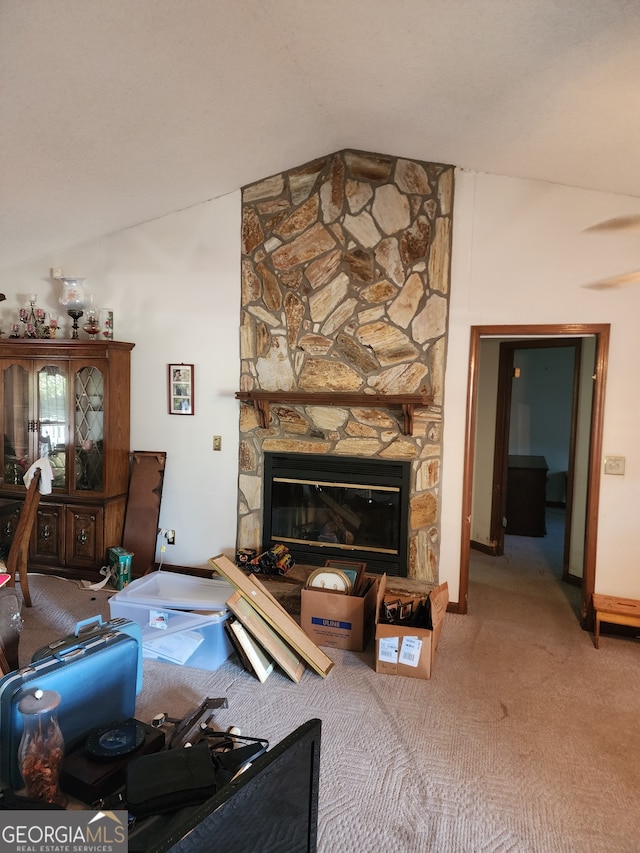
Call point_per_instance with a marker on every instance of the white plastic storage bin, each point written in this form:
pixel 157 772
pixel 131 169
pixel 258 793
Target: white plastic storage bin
pixel 180 592
pixel 178 630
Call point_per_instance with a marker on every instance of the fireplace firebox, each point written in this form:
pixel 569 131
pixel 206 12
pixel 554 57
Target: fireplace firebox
pixel 341 508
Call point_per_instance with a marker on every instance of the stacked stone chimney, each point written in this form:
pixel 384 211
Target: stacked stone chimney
pixel 345 287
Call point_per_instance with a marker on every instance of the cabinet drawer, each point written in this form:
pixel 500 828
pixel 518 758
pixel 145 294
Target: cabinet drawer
pixel 47 544
pixel 84 536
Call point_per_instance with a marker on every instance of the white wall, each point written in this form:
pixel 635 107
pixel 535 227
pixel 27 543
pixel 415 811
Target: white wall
pixel 520 256
pixel 174 287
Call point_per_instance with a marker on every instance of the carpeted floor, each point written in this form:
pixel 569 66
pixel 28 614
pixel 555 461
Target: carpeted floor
pixel 543 555
pixel 525 739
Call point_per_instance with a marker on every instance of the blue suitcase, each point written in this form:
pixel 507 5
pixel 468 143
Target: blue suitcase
pixel 96 680
pixel 88 629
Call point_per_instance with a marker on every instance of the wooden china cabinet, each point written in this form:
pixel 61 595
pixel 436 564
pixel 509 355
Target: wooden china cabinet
pixel 69 401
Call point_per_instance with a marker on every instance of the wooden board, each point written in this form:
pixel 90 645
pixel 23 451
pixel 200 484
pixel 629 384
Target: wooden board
pixel 268 607
pixel 614 604
pixel 274 645
pixel 615 611
pixel 143 509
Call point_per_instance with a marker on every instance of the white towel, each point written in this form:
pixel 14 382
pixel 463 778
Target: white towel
pixel 46 475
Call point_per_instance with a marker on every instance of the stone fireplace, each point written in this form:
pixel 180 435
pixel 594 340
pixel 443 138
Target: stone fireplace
pixel 345 289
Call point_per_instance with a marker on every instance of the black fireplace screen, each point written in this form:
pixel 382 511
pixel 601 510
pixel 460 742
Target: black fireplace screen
pixel 345 508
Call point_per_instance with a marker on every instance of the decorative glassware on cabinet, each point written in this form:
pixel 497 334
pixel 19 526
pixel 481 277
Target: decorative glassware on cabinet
pixel 33 320
pixel 92 326
pixel 72 299
pixel 52 324
pixel 41 749
pixel 106 324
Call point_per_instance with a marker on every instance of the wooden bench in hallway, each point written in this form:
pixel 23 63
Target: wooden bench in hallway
pixel 616 611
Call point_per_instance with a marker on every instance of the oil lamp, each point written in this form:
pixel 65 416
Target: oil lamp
pixel 72 299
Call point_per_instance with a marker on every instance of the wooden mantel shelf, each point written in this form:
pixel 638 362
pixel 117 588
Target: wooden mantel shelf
pixel 262 399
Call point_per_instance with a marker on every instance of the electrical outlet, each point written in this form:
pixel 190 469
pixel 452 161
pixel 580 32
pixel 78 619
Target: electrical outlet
pixel 614 464
pixel 168 535
pixel 217 442
pixel 56 272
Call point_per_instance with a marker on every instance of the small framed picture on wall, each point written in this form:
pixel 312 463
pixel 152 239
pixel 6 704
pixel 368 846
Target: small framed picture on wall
pixel 181 400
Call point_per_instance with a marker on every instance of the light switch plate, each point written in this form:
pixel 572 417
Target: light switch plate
pixel 614 464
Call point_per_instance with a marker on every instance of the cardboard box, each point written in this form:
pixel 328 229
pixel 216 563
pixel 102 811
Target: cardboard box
pixel 120 566
pixel 403 649
pixel 337 620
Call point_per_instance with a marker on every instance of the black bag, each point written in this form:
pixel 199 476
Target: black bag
pixel 169 780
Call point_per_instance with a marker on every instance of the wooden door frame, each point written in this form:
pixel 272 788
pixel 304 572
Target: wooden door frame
pixel 601 332
pixel 500 452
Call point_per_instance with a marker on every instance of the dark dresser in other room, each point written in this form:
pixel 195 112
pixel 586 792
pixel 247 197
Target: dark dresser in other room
pixel 526 495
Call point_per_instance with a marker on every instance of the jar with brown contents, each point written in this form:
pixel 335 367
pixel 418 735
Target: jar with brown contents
pixel 41 749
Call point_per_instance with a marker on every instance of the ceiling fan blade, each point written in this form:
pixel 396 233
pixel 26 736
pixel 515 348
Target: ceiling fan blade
pixel 614 281
pixel 618 223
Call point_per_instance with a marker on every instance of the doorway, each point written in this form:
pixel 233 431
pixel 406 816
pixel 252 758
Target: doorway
pixel 542 423
pixel 593 452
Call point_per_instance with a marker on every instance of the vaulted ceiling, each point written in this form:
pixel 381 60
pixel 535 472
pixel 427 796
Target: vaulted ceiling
pixel 114 112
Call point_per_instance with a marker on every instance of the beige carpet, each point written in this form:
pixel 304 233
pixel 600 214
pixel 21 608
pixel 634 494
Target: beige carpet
pixel 526 739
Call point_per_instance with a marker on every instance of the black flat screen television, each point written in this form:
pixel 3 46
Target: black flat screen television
pixel 272 807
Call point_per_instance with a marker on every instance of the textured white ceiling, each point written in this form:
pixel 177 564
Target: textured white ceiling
pixel 114 112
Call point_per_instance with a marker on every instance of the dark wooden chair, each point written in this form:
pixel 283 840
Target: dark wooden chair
pixel 19 550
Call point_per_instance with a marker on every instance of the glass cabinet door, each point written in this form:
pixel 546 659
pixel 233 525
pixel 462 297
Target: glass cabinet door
pixel 17 424
pixel 53 437
pixel 89 426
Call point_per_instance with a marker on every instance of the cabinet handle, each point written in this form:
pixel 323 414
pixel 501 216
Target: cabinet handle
pixel 45 532
pixel 8 529
pixel 82 536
